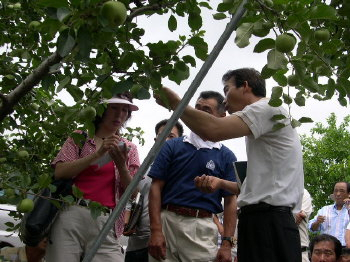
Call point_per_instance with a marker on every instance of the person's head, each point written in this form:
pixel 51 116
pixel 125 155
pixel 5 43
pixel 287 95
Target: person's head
pixel 211 102
pixel 340 192
pixel 241 86
pixel 325 248
pixel 117 112
pixel 345 255
pixel 176 131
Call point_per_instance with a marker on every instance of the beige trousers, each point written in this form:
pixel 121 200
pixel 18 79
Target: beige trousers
pixel 73 234
pixel 188 238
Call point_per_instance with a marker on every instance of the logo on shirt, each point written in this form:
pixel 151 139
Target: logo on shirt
pixel 210 165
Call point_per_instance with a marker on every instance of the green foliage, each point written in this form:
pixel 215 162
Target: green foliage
pixel 326 156
pixel 317 54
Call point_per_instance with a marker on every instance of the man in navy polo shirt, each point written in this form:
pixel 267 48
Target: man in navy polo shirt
pixel 181 217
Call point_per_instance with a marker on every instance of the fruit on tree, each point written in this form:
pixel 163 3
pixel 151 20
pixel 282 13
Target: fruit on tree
pixel 17 6
pixel 2 159
pixel 34 24
pixel 285 43
pixel 9 192
pixel 25 206
pixel 322 35
pixel 114 12
pixel 23 154
pixel 293 80
pixel 88 113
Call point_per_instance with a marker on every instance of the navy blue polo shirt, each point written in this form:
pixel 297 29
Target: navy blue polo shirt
pixel 179 162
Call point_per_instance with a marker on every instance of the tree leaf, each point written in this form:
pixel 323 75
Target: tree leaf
pixel 195 21
pixel 172 23
pixel 277 126
pixel 63 83
pixel 219 16
pixel 62 13
pixel 65 43
pixel 295 123
pixel 276 60
pixel 264 45
pixel 53 3
pixel 275 102
pixel 189 60
pixel 277 92
pixel 243 33
pixel 84 42
pixel 278 117
pixel 305 120
pixel 323 11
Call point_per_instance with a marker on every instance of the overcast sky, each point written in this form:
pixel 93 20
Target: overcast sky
pixel 231 57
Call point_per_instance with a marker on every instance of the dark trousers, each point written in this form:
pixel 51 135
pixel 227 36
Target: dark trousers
pixel 267 234
pixel 140 255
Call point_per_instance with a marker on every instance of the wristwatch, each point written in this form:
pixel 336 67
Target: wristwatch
pixel 232 240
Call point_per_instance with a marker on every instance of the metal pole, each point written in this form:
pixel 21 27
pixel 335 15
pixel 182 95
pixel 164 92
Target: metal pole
pixel 231 26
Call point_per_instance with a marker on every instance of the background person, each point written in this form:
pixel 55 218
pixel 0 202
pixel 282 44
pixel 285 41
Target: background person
pixel 75 231
pixel 325 248
pixel 25 253
pixel 275 178
pixel 345 255
pixel 302 219
pixel 137 249
pixel 333 219
pixel 181 217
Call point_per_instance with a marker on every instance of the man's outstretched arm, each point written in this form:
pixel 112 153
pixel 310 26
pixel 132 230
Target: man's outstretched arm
pixel 205 125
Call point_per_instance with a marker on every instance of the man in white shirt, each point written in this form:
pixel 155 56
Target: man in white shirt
pixel 275 180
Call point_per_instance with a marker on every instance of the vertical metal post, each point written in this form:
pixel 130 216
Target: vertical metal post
pixel 231 26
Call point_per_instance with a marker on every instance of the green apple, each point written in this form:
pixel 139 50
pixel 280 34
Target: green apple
pixel 17 6
pixel 114 12
pixel 293 80
pixel 88 113
pixel 285 43
pixel 25 206
pixel 9 192
pixel 35 106
pixel 34 24
pixel 23 154
pixel 10 6
pixel 322 35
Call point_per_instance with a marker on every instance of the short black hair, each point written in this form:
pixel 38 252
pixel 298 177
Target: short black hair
pixel 345 251
pixel 347 185
pixel 215 95
pixel 329 238
pixel 178 126
pixel 252 76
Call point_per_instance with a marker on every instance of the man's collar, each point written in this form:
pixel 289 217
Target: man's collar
pixel 198 142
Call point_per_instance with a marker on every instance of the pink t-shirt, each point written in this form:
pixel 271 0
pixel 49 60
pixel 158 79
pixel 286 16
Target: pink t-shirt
pixel 103 184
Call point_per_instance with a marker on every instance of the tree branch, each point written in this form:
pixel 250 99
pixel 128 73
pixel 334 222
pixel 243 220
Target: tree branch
pixel 27 85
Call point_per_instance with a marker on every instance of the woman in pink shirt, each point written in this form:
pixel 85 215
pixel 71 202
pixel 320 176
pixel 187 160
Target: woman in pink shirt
pixel 102 170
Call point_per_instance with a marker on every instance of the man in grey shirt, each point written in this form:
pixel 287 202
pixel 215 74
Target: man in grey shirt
pixel 137 249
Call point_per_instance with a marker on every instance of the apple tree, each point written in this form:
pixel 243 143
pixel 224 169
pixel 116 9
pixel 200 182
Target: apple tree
pixel 95 48
pixel 326 153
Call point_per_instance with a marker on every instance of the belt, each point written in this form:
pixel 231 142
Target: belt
pixel 263 207
pixel 85 203
pixel 304 249
pixel 187 211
